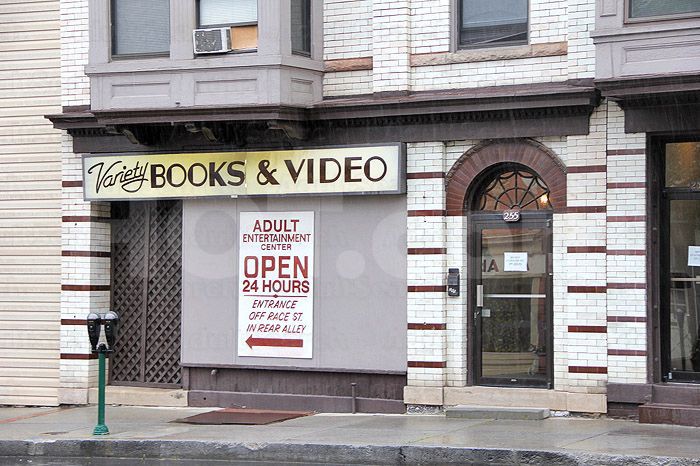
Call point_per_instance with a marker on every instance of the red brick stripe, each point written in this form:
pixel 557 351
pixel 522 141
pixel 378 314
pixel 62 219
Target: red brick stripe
pixel 86 253
pixel 587 370
pixel 626 252
pixel 627 152
pixel 627 218
pixel 427 326
pixel 623 352
pixel 626 319
pixel 424 175
pixel 85 287
pixel 72 184
pixel 588 209
pixel 414 251
pixel 627 286
pixel 588 329
pixel 427 289
pixel 348 64
pixel 587 169
pixel 585 249
pixel 427 364
pixel 78 356
pixel 586 289
pixel 626 185
pixel 73 322
pixel 426 213
pixel 83 218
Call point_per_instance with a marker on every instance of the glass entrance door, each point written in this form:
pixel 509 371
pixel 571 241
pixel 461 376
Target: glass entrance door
pixel 680 263
pixel 683 312
pixel 512 307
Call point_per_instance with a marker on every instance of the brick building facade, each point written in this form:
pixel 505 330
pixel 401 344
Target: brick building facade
pixel 409 72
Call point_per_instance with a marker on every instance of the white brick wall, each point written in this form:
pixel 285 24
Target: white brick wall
pixel 581 21
pixel 347 29
pixel 392 31
pixel 575 350
pixel 430 26
pixel 489 73
pixel 390 45
pixel 347 83
pixel 548 21
pixel 74 52
pixel 623 237
pixel 77 375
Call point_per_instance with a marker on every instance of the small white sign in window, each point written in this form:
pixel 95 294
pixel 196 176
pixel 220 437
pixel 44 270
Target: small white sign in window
pixel 693 256
pixel 515 262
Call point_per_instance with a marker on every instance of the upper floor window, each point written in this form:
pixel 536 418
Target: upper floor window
pixel 140 27
pixel 301 27
pixel 493 22
pixel 240 15
pixel 652 8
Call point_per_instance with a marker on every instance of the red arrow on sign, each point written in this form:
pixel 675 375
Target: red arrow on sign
pixel 278 342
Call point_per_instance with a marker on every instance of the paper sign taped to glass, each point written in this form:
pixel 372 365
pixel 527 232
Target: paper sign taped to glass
pixel 693 256
pixel 515 262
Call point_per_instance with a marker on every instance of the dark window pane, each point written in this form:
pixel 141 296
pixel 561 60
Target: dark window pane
pixel 301 27
pixel 224 12
pixel 493 22
pixel 644 8
pixel 140 27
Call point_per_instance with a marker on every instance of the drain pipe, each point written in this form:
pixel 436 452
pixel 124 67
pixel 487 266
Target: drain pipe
pixel 353 390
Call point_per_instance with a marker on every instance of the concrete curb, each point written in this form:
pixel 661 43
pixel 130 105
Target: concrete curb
pixel 148 450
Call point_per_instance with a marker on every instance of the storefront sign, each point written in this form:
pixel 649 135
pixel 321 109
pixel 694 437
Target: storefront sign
pixel 349 170
pixel 275 290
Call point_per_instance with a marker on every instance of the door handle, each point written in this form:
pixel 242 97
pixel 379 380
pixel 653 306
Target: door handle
pixel 479 295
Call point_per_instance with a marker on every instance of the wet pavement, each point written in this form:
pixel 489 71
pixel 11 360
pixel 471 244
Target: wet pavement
pixel 140 435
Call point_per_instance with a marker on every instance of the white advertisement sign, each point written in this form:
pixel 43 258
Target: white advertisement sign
pixel 515 262
pixel 275 289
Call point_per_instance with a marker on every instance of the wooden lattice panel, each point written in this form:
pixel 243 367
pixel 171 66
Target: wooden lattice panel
pixel 164 294
pixel 147 293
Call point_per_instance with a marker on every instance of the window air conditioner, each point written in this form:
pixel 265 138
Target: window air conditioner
pixel 216 40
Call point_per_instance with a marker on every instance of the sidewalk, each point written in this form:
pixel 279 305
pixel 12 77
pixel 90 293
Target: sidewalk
pixel 142 434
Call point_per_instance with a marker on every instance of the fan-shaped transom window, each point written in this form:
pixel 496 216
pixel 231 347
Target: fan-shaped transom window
pixel 512 187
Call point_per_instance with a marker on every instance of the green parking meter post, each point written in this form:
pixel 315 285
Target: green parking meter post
pixel 101 427
pixel 110 321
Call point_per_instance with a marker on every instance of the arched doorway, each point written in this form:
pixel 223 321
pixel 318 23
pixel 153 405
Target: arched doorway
pixel 510 217
pixel 508 190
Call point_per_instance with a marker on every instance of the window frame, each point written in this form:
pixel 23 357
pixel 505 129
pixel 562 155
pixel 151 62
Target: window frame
pixel 132 56
pixel 628 19
pixel 457 7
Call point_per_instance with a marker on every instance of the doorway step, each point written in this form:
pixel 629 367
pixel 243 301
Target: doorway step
pixel 494 412
pixel 677 404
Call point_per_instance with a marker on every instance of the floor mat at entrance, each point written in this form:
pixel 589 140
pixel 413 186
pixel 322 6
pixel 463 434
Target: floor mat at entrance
pixel 242 416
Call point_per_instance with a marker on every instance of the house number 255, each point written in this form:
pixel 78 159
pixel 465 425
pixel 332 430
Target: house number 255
pixel 511 215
